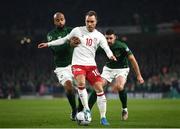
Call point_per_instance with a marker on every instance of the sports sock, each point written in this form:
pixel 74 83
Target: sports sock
pixel 92 99
pixel 123 98
pixel 83 95
pixel 125 109
pixel 72 100
pixel 80 106
pixel 101 102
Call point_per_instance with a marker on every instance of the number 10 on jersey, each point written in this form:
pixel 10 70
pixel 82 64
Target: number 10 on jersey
pixel 88 42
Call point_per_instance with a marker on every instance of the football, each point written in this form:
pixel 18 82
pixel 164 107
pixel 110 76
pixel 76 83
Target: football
pixel 83 118
pixel 74 41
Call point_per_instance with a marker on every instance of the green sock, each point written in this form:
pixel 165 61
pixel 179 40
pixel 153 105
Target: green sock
pixel 72 100
pixel 123 98
pixel 92 99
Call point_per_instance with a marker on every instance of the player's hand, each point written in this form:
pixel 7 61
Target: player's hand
pixel 113 58
pixel 74 41
pixel 42 45
pixel 140 79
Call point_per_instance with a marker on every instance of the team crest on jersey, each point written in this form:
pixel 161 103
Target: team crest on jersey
pixel 49 38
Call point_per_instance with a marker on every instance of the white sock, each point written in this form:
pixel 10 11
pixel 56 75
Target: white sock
pixel 83 95
pixel 101 102
pixel 125 109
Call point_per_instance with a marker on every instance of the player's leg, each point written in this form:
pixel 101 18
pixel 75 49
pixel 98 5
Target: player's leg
pixel 92 99
pixel 120 81
pixel 80 79
pixel 64 76
pixel 83 95
pixel 101 102
pixel 71 96
pixel 80 106
pixel 93 96
pixel 95 79
pixel 79 75
pixel 123 98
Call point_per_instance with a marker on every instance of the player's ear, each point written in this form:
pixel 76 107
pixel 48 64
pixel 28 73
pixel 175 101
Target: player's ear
pixel 115 36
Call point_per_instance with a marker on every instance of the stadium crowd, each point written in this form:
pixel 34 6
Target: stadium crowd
pixel 130 12
pixel 27 70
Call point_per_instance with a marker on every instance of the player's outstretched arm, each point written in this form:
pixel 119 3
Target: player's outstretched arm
pixel 54 42
pixel 42 45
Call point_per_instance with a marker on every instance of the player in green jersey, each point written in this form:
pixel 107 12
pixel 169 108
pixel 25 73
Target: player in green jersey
pixel 62 60
pixel 115 73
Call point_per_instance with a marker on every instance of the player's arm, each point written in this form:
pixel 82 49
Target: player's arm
pixel 58 41
pixel 54 42
pixel 135 66
pixel 104 45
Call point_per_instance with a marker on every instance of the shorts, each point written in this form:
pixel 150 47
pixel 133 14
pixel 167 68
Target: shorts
pixel 63 74
pixel 110 74
pixel 91 72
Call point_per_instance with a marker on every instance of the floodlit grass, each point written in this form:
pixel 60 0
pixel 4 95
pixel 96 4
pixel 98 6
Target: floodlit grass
pixel 143 113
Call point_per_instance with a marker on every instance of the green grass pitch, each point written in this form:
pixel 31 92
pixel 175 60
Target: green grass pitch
pixel 143 113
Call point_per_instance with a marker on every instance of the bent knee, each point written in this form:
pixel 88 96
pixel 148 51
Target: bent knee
pixel 68 86
pixel 120 88
pixel 98 86
pixel 81 84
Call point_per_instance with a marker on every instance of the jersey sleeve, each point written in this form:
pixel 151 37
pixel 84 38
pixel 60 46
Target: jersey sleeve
pixel 58 41
pixel 127 50
pixel 63 40
pixel 104 45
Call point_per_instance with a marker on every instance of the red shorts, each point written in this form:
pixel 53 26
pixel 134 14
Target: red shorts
pixel 91 72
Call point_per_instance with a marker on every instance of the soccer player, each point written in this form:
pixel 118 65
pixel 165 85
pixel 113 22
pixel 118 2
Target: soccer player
pixel 62 60
pixel 83 61
pixel 119 70
pixel 115 73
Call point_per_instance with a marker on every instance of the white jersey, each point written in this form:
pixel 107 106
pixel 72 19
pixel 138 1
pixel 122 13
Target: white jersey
pixel 84 53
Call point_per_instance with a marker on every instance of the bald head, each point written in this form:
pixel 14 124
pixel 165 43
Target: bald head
pixel 59 19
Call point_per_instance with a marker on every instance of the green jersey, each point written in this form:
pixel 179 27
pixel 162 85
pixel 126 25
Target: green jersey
pixel 62 53
pixel 121 52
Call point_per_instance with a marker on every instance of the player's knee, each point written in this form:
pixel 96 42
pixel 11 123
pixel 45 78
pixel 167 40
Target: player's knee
pixel 120 87
pixel 98 86
pixel 104 82
pixel 68 86
pixel 81 84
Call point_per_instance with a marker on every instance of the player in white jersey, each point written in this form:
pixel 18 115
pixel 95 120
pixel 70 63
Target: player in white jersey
pixel 83 61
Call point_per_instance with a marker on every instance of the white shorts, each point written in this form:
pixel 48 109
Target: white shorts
pixel 110 74
pixel 63 74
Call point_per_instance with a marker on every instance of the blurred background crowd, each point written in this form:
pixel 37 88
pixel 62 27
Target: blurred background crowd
pixel 151 29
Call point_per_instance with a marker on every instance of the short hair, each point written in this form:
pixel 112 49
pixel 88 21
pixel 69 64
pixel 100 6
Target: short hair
pixel 91 13
pixel 58 13
pixel 110 32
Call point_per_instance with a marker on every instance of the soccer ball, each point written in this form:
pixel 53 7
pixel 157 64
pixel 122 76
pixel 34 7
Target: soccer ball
pixel 83 118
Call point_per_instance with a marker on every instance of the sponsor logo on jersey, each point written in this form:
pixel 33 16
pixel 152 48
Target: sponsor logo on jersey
pixel 76 69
